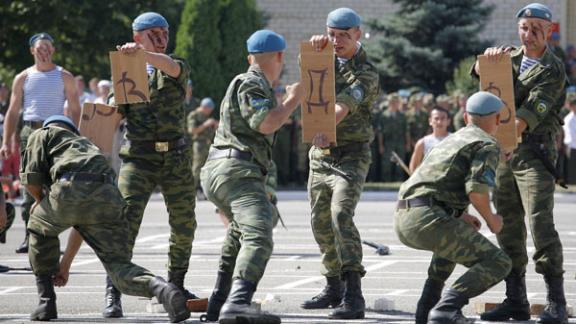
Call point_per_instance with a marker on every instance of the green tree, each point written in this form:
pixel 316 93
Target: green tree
pixel 461 80
pixel 212 37
pixel 84 31
pixel 422 43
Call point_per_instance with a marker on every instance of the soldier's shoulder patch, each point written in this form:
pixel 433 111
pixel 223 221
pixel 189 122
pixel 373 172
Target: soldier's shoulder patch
pixel 489 177
pixel 259 103
pixel 541 107
pixel 357 93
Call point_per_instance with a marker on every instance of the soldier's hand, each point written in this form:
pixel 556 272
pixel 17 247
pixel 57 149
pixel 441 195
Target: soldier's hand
pixel 472 220
pixel 5 151
pixel 295 90
pixel 319 42
pixel 129 48
pixel 320 140
pixel 495 54
pixel 61 278
pixel 495 224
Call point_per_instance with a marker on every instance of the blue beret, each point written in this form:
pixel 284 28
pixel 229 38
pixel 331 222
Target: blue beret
pixel 61 119
pixel 483 103
pixel 207 102
pixel 40 36
pixel 343 18
pixel 264 41
pixel 535 10
pixel 149 20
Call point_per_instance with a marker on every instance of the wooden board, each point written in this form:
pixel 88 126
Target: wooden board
pixel 318 104
pixel 496 77
pixel 129 78
pixel 99 124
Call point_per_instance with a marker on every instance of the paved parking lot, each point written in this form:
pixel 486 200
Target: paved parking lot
pixel 292 274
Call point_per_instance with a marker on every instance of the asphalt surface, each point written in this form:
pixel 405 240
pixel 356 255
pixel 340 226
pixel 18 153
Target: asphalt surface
pixel 394 280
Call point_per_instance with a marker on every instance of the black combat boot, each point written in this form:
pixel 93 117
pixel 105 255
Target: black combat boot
pixel 113 307
pixel 46 309
pixel 555 310
pixel 330 296
pixel 218 297
pixel 23 248
pixel 171 297
pixel 177 278
pixel 237 310
pixel 449 309
pixel 353 304
pixel 515 306
pixel 430 296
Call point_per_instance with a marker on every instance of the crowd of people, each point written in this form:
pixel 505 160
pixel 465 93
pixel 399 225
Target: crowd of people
pixel 231 159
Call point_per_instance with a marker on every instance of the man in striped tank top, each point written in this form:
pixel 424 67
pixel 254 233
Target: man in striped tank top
pixel 38 92
pixel 525 183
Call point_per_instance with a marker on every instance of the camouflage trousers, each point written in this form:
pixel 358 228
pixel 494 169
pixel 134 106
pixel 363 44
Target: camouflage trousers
pixel 10 215
pixel 237 188
pixel 200 151
pixel 525 187
pixel 95 211
pixel 333 200
pixel 28 200
pixel 390 171
pixel 140 174
pixel 433 229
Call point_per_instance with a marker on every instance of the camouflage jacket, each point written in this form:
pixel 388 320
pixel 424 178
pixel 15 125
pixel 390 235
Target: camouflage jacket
pixel 417 124
pixel 357 87
pixel 539 93
pixel 248 101
pixel 196 119
pixel 393 128
pixel 53 151
pixel 464 162
pixel 163 117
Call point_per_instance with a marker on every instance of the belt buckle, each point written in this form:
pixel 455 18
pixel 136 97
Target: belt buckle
pixel 325 151
pixel 161 146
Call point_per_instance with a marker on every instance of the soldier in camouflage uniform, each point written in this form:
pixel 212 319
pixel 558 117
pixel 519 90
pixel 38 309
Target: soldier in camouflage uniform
pixel 526 183
pixel 190 102
pixel 431 208
pixel 73 186
pixel 392 137
pixel 7 214
pixel 201 127
pixel 418 125
pixel 233 177
pixel 334 195
pixel 156 152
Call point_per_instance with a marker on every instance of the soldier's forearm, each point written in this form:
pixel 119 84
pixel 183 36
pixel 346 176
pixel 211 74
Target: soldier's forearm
pixel 164 63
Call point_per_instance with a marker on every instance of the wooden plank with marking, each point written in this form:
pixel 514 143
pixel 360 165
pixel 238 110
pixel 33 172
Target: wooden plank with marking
pixel 129 77
pixel 99 123
pixel 318 104
pixel 496 78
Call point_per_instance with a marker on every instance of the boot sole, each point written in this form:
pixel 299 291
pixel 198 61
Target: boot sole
pixel 356 316
pixel 523 317
pixel 329 306
pixel 243 319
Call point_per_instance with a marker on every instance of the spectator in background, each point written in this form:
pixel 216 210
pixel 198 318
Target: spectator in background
pixel 103 91
pixel 83 95
pixel 190 102
pixel 439 121
pixel 93 85
pixel 4 100
pixel 570 139
pixel 554 44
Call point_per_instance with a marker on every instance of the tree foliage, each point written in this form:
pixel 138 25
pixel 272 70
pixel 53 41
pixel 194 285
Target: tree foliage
pixel 461 80
pixel 212 37
pixel 84 31
pixel 423 42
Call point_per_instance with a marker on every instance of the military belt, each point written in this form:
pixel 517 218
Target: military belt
pixel 228 153
pixel 161 146
pixel 428 202
pixel 415 202
pixel 34 124
pixel 84 176
pixel 354 147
